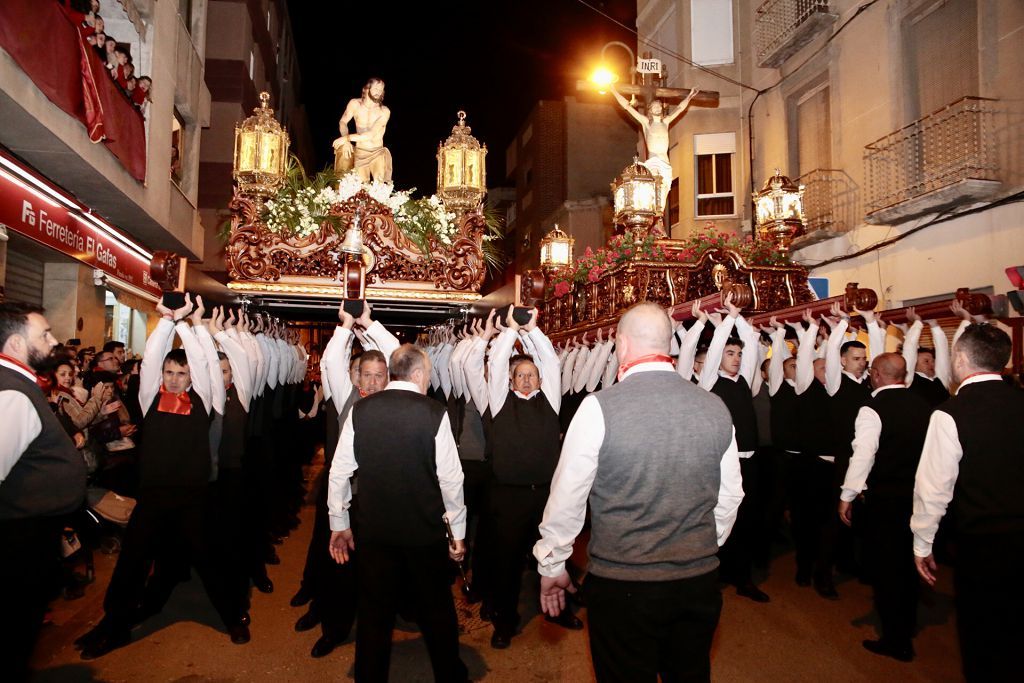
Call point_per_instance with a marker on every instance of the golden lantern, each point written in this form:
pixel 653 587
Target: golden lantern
pixel 556 250
pixel 261 152
pixel 461 173
pixel 779 208
pixel 635 195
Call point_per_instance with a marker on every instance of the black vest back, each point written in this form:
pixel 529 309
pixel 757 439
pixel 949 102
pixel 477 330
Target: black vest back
pixel 49 477
pixel 904 417
pixel 786 418
pixel 525 441
pixel 233 431
pixel 845 405
pixel 399 496
pixel 176 451
pixel 987 497
pixel 737 398
pixel 814 420
pixel 931 390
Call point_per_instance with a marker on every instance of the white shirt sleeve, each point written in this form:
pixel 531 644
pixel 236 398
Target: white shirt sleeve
pixel 547 363
pixel 473 365
pixel 943 367
pixel 867 431
pixel 776 373
pixel 443 369
pixel 385 342
pixel 751 360
pixel 198 365
pixel 611 371
pixel 910 342
pixel 241 371
pixel 936 478
pixel 568 363
pixel 455 370
pixel 570 487
pixel 833 359
pixel 334 365
pixel 218 392
pixel 688 350
pixel 805 358
pixel 959 331
pixel 270 353
pixel 876 341
pixel 339 484
pixel 579 376
pixel 286 362
pixel 597 366
pixel 450 478
pixel 497 382
pixel 730 492
pixel 20 427
pixel 713 360
pixel 151 370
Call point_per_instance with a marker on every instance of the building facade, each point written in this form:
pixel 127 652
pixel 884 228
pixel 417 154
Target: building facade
pixel 250 49
pixel 900 117
pixel 562 163
pixel 100 170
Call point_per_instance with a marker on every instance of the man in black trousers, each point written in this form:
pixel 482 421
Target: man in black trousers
pixel 410 487
pixel 973 462
pixel 888 437
pixel 42 478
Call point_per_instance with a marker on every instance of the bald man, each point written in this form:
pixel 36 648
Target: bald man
pixel 656 457
pixel 889 434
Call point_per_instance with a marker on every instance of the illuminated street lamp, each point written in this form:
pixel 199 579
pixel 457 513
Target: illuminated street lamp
pixel 461 173
pixel 603 77
pixel 556 250
pixel 261 152
pixel 780 211
pixel 635 195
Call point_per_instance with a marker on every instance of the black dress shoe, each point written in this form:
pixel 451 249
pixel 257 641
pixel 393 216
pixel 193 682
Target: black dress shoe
pixel 245 620
pixel 263 584
pixel 749 590
pixel 903 653
pixel 301 597
pixel 826 589
pixel 501 638
pixel 486 612
pixel 239 634
pixel 307 621
pixel 324 646
pixel 108 641
pixel 566 620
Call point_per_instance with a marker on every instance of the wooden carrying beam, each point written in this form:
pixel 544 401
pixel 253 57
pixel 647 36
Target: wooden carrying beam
pixel 975 304
pixel 853 299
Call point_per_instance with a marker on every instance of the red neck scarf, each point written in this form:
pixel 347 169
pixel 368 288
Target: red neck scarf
pixel 178 404
pixel 15 361
pixel 649 358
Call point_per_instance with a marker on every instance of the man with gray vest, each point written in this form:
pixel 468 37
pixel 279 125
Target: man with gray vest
pixel 410 488
pixel 657 458
pixel 42 476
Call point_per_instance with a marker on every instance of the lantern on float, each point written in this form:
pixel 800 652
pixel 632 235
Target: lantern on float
pixel 779 208
pixel 261 152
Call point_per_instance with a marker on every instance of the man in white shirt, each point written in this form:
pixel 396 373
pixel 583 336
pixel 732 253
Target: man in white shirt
pixel 656 458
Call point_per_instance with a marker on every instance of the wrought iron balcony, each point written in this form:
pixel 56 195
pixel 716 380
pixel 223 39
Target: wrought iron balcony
pixel 938 161
pixel 831 205
pixel 783 27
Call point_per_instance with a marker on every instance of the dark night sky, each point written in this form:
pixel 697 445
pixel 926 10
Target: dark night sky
pixel 494 59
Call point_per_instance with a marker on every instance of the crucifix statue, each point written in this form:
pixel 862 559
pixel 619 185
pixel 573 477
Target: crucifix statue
pixel 657 117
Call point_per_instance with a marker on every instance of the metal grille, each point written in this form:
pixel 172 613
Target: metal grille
pixel 777 22
pixel 830 201
pixel 953 144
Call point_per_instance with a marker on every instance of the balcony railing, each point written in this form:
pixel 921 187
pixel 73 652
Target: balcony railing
pixel 939 160
pixel 831 205
pixel 782 27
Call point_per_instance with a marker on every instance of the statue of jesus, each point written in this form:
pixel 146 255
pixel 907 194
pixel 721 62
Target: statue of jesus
pixel 370 158
pixel 655 126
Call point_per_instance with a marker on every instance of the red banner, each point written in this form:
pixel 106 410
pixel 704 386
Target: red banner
pixel 30 212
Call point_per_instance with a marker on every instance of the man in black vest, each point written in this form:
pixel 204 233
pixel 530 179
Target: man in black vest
pixel 657 459
pixel 973 460
pixel 410 487
pixel 42 476
pixel 728 372
pixel 887 443
pixel 525 397
pixel 175 468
